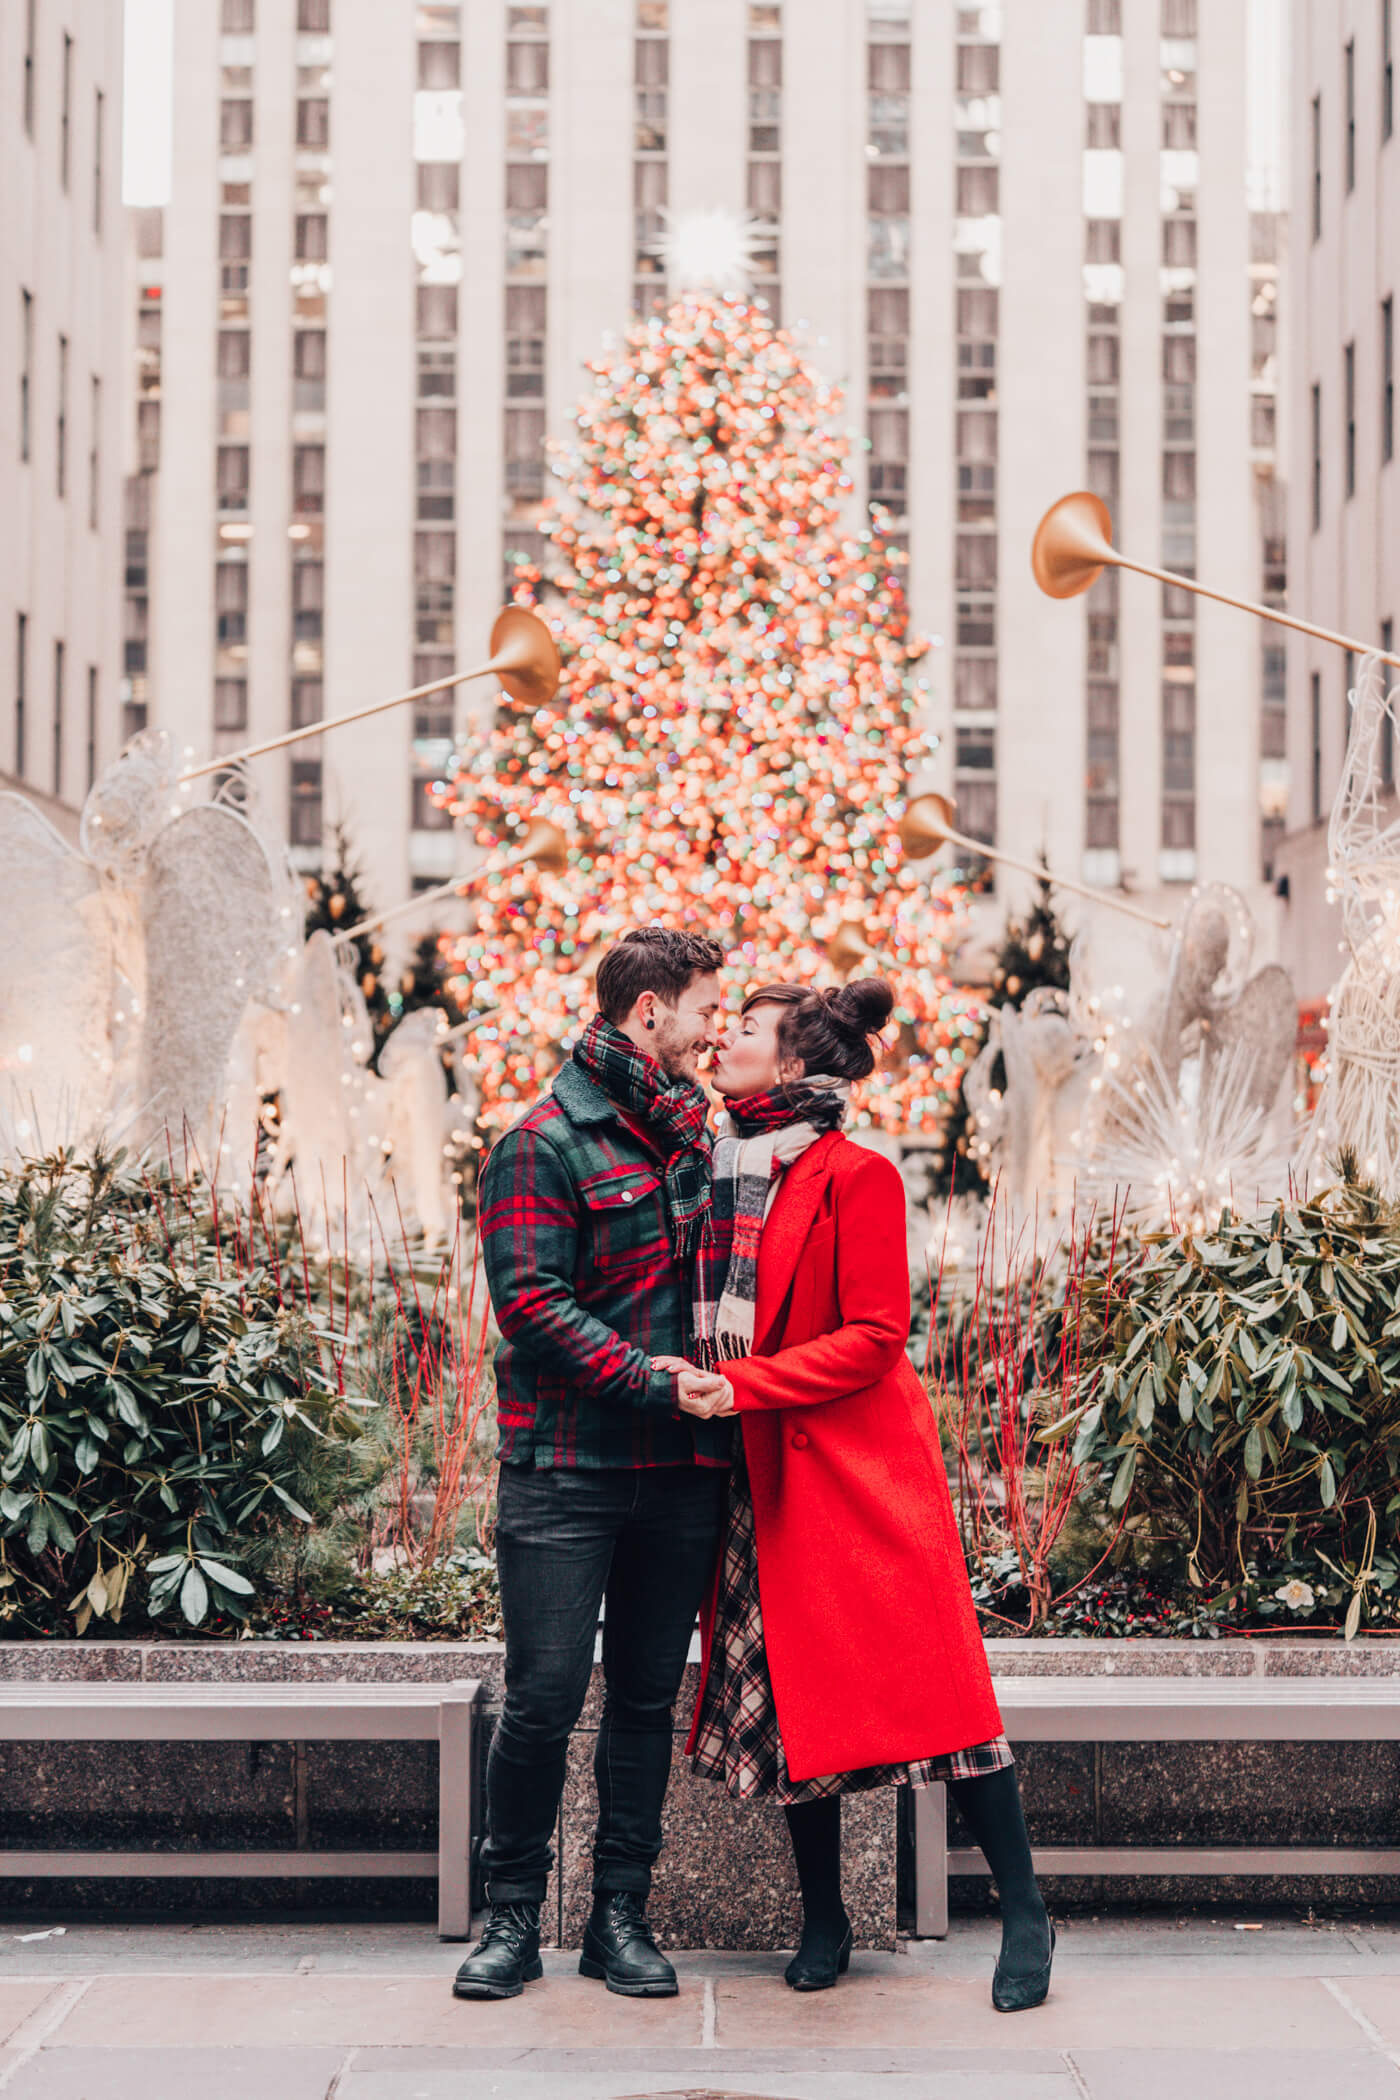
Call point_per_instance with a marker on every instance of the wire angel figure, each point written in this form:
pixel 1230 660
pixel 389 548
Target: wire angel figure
pixel 1359 1107
pixel 126 966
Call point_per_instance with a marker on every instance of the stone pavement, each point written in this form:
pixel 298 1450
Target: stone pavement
pixel 1143 2009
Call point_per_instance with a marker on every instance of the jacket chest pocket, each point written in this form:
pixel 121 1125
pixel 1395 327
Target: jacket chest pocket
pixel 622 1207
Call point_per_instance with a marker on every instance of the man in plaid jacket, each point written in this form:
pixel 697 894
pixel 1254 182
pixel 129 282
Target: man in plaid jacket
pixel 591 1208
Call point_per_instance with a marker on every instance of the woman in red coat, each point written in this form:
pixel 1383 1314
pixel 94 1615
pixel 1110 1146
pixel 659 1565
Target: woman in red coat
pixel 841 1649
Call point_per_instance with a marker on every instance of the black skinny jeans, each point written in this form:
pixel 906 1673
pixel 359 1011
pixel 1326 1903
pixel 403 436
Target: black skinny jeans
pixel 646 1540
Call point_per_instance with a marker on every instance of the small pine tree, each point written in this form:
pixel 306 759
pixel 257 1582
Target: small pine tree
pixel 335 902
pixel 1034 952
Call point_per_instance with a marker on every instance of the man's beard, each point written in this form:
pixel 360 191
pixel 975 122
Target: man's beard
pixel 673 1052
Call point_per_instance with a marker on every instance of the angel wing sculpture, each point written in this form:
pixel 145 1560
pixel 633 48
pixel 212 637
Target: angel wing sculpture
pixel 1359 1108
pixel 126 966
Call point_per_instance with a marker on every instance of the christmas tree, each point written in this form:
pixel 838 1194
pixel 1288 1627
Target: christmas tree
pixel 1034 951
pixel 334 903
pixel 738 719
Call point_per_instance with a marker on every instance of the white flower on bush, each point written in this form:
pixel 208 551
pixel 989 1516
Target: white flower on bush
pixel 1297 1595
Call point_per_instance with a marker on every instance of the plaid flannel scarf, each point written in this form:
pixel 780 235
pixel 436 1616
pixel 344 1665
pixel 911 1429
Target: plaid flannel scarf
pixel 759 1137
pixel 674 1110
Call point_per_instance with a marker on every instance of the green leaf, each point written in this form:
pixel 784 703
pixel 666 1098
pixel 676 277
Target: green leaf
pixel 1340 1331
pixel 194 1596
pixel 272 1435
pixel 1273 1260
pixel 1353 1618
pixel 1327 1484
pixel 1122 1479
pixel 296 1508
pixel 226 1578
pixel 1253 1453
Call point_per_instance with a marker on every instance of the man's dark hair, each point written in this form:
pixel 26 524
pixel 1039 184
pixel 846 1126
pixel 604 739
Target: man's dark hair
pixel 652 959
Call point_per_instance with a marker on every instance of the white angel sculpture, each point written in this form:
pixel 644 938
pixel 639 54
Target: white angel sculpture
pixel 1359 1108
pixel 1188 1113
pixel 125 967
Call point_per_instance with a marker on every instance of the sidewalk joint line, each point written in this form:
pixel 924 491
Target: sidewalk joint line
pixel 1364 2022
pixel 709 2016
pixel 334 2087
pixel 31 2034
pixel 1076 2075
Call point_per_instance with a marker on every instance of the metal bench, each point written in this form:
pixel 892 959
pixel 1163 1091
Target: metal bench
pixel 1166 1710
pixel 262 1713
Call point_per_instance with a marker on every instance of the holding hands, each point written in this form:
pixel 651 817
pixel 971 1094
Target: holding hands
pixel 702 1393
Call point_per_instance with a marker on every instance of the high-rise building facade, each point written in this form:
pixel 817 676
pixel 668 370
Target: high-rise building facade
pixel 1344 510
pixel 62 392
pixel 1027 240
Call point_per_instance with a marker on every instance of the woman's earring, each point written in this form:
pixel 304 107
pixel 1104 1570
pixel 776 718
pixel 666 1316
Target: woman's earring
pixel 651 1024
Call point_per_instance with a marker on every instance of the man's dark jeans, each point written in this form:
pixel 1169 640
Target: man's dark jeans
pixel 646 1540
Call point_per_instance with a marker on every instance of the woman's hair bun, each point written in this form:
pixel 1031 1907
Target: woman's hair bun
pixel 863 1006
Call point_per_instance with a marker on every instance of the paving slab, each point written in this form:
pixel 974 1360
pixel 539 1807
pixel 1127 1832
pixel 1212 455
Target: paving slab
pixel 1377 1999
pixel 177 2074
pixel 377 2084
pixel 1170 2074
pixel 151 2012
pixel 20 1996
pixel 919 2012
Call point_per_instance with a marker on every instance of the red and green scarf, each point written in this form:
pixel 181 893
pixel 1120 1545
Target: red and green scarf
pixel 675 1112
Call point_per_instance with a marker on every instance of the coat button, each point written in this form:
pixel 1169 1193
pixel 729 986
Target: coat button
pixel 799 1440
pixel 627 1195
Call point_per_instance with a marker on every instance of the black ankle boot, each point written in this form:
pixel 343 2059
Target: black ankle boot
pixel 506 1958
pixel 620 1950
pixel 1019 1990
pixel 822 1957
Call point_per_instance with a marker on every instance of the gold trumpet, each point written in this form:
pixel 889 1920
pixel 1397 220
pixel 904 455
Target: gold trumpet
pixel 848 946
pixel 523 656
pixel 544 843
pixel 927 824
pixel 1073 546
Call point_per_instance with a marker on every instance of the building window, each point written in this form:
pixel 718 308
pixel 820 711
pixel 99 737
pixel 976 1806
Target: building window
pixel 1387 74
pixel 236 17
pixel 230 703
pixel 1349 64
pixel 61 432
pixel 99 115
pixel 1315 695
pixel 1387 725
pixel 65 112
pixel 26 367
pixel 232 472
pixel 91 726
pixel 308 480
pixel 306 802
pixel 58 681
pixel 314 17
pixel 1387 379
pixel 424 813
pixel 21 686
pixel 1316 405
pixel 236 123
pixel 1349 396
pixel 1317 167
pixel 314 130
pixel 94 450
pixel 29 31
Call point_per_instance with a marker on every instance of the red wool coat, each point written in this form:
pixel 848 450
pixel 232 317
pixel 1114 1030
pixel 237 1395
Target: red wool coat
pixel 873 1645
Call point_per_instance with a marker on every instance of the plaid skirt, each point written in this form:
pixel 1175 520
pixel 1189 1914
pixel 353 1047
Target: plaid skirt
pixel 738 1740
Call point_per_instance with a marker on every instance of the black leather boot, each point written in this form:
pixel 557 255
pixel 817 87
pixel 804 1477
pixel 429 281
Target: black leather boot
pixel 507 1956
pixel 819 1960
pixel 619 1949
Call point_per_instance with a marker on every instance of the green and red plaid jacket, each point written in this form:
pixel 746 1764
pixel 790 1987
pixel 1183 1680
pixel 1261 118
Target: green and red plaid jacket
pixel 586 1290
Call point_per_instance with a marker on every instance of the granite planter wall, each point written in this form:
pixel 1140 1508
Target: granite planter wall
pixel 725 1878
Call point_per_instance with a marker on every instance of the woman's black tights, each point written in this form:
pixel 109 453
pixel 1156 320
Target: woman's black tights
pixel 815 1830
pixel 991 1809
